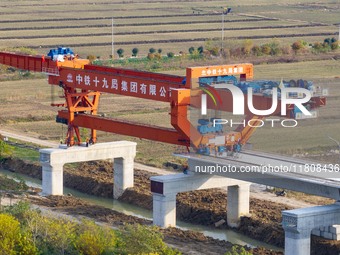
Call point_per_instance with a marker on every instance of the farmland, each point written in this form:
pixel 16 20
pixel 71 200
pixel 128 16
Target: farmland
pixel 170 25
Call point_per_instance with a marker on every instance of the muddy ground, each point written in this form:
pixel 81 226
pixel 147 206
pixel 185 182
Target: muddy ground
pixel 200 207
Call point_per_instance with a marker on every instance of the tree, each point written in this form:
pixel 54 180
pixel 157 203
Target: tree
pixel 120 52
pixel 159 51
pixel 191 50
pixel 135 52
pixel 200 49
pixel 170 54
pixel 152 50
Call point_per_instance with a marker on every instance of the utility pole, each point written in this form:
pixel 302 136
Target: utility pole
pixel 112 42
pixel 222 36
pixel 224 11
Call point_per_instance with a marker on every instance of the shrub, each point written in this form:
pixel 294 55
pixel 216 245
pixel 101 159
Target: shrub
pixel 298 45
pixel 12 240
pixel 256 50
pixel 247 47
pixel 191 50
pixel 91 58
pixel 266 49
pixel 200 49
pixel 159 51
pixel 5 149
pixel 215 51
pixel 238 251
pixel 157 56
pixel 335 45
pixel 151 56
pixel 93 239
pixel 140 239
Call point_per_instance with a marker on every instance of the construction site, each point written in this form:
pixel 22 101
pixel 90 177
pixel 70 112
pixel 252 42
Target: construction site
pixel 224 154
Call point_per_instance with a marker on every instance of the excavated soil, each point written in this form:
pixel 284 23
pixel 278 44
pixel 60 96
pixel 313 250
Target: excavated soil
pixel 204 207
pixel 189 242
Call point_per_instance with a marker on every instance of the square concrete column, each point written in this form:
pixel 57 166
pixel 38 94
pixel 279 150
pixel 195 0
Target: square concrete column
pixel 238 204
pixel 297 243
pixel 123 175
pixel 164 210
pixel 52 179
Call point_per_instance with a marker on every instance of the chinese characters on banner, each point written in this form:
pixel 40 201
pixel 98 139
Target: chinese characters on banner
pixel 120 85
pixel 222 71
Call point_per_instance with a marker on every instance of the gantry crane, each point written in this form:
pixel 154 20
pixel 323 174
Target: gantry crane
pixel 83 84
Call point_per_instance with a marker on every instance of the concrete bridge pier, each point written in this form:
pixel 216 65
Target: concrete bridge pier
pixel 53 160
pixel 299 223
pixel 165 188
pixel 238 203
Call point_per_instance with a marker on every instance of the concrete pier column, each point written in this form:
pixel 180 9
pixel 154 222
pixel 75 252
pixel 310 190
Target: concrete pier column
pixel 123 175
pixel 297 243
pixel 52 179
pixel 164 210
pixel 53 159
pixel 299 223
pixel 238 203
pixel 164 189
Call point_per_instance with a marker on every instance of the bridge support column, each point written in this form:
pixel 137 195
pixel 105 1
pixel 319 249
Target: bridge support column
pixel 298 225
pixel 238 203
pixel 52 176
pixel 123 175
pixel 53 160
pixel 164 210
pixel 165 188
pixel 297 243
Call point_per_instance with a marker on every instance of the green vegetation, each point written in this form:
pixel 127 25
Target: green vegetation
pixel 238 251
pixel 12 185
pixel 5 149
pixel 28 232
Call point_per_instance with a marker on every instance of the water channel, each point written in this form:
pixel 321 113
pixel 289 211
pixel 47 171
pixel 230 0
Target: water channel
pixel 128 209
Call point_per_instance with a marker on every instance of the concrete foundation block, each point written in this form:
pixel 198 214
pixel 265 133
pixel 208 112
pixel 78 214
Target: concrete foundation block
pixel 336 237
pixel 335 229
pixel 327 235
pixel 316 232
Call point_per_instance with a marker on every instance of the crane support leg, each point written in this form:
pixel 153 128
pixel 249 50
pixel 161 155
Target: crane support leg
pixel 80 102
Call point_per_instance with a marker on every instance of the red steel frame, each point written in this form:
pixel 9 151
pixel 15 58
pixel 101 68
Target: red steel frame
pixel 82 88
